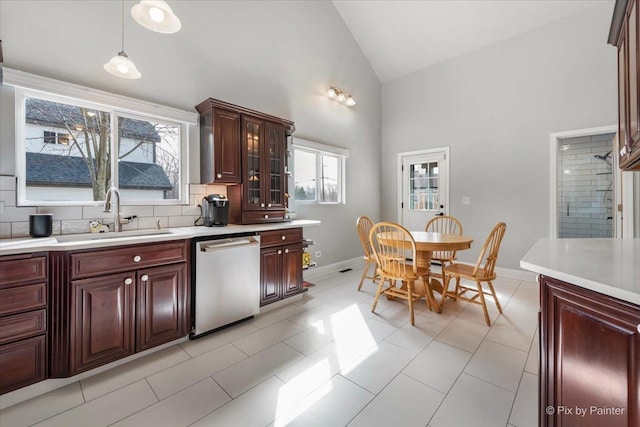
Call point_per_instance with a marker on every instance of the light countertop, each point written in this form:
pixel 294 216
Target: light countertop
pixel 607 266
pixel 68 242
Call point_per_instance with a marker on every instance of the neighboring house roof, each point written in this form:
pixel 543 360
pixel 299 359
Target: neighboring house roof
pixel 47 113
pixel 51 169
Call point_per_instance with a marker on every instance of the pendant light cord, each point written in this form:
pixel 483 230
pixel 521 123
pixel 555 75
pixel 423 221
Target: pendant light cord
pixel 122 15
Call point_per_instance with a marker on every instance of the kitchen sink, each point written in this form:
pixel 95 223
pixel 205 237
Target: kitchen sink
pixel 111 235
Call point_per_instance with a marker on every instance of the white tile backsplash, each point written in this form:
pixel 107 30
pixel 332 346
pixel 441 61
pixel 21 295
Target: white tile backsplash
pixel 7 182
pixel 167 210
pixel 14 221
pixel 62 212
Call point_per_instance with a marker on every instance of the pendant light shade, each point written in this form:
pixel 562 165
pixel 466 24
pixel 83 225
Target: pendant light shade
pixel 156 15
pixel 121 66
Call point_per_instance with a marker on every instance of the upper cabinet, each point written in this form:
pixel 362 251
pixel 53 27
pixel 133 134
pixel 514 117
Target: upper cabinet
pixel 624 35
pixel 248 148
pixel 219 143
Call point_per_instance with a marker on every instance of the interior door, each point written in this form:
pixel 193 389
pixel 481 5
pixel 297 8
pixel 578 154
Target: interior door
pixel 424 188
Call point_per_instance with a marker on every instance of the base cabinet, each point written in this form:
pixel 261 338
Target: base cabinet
pixel 590 358
pixel 102 320
pixel 114 315
pixel 280 265
pixel 23 320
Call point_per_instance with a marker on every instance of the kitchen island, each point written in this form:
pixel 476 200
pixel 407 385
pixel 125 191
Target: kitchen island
pixel 589 330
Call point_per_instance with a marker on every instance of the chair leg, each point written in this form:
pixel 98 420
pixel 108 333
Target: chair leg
pixel 455 296
pixel 378 293
pixel 364 274
pixel 484 304
pixel 495 297
pixel 410 293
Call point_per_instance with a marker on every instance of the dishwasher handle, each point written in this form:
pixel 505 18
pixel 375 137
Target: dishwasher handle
pixel 227 243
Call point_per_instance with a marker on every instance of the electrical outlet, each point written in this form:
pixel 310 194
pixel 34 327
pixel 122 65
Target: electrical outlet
pixel 466 200
pixel 318 254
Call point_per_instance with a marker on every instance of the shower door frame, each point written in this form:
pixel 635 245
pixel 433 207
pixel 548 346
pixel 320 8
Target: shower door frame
pixel 617 178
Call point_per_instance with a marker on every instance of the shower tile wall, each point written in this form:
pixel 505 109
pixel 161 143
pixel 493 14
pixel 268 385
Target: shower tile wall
pixel 585 190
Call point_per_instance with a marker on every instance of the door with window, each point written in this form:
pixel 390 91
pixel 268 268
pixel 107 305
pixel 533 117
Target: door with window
pixel 424 186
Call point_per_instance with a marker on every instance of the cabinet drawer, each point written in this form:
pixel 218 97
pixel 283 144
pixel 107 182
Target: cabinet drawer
pixel 280 237
pixel 23 325
pixel 27 359
pixel 23 270
pixel 21 298
pixel 126 258
pixel 257 217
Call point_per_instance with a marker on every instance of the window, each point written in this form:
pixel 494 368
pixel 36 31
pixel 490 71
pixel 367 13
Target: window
pixel 319 172
pixel 71 150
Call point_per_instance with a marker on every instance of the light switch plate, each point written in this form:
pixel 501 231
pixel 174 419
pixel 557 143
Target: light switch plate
pixel 466 200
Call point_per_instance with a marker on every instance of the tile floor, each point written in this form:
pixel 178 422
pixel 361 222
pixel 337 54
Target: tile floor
pixel 324 361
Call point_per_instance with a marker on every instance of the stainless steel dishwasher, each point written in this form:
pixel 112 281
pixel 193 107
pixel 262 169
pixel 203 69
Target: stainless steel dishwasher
pixel 226 286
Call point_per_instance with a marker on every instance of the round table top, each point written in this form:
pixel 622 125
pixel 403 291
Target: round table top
pixel 431 241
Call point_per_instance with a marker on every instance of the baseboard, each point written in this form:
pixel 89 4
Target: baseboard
pixel 358 263
pixel 323 270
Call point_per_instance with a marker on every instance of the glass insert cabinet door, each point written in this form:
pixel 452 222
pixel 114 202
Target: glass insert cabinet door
pixel 423 186
pixel 253 140
pixel 275 157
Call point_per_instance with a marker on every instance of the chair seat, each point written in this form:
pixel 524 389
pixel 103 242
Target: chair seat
pixel 408 276
pixel 466 271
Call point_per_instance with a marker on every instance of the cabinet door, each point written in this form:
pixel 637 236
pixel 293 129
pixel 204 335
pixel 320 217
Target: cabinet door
pixel 226 147
pixel 274 166
pixel 252 149
pixel 590 345
pixel 623 117
pixel 23 363
pixel 102 320
pixel 292 270
pixel 161 305
pixel 270 275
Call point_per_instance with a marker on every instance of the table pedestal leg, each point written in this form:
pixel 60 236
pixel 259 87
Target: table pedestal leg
pixel 424 261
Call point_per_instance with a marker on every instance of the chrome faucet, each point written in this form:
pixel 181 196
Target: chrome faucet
pixel 118 219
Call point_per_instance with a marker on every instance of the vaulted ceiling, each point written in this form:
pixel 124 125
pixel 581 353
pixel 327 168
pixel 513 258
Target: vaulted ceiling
pixel 400 37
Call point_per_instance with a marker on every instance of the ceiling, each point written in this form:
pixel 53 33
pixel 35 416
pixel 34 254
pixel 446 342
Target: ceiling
pixel 399 37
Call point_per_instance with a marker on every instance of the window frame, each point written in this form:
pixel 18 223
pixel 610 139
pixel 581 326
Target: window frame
pixel 320 150
pixel 33 86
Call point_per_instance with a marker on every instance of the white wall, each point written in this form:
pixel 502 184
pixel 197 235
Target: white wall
pixel 278 57
pixel 495 108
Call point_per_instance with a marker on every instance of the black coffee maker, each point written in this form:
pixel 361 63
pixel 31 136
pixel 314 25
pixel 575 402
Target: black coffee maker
pixel 215 210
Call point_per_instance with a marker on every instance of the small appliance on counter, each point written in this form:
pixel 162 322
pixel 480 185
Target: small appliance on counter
pixel 215 210
pixel 40 225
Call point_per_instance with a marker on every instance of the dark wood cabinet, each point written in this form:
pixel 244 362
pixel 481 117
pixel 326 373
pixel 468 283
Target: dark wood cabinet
pixel 590 357
pixel 116 302
pixel 624 35
pixel 161 304
pixel 102 320
pixel 23 320
pixel 260 145
pixel 219 143
pixel 280 264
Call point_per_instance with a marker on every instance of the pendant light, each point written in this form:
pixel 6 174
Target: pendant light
pixel 120 65
pixel 156 15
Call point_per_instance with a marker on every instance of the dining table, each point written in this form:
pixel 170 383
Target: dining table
pixel 428 242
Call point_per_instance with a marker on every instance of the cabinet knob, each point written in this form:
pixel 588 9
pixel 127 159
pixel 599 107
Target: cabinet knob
pixel 144 278
pixel 638 328
pixel 269 205
pixel 266 217
pixel 128 281
pixel 284 237
pixel 286 251
pixel 279 252
pixel 262 205
pixel 137 258
pixel 219 175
